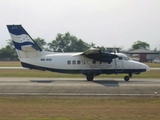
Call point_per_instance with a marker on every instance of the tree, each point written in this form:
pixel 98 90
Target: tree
pixel 40 42
pixel 7 53
pixel 139 44
pixel 68 43
pixel 10 43
pixel 102 48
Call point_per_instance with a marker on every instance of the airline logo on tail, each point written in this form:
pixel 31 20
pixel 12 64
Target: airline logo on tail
pixel 21 38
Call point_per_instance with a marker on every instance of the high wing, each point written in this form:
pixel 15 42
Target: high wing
pixel 97 55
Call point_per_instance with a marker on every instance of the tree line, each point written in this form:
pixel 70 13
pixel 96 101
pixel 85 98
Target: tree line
pixel 62 43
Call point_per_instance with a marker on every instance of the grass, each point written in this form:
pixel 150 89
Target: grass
pixel 153 65
pixel 78 108
pixel 10 64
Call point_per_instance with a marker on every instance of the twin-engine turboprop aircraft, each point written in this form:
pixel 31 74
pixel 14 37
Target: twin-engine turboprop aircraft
pixel 91 62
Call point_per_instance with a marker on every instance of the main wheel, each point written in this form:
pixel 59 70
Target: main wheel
pixel 126 78
pixel 90 77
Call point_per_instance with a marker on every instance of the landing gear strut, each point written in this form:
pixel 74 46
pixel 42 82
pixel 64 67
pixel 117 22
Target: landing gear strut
pixel 89 77
pixel 130 75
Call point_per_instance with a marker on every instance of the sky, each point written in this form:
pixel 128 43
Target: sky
pixel 107 23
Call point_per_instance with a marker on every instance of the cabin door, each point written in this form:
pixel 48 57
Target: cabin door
pixel 118 66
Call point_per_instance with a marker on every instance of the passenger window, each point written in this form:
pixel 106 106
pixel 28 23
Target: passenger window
pixel 69 62
pixel 73 62
pixel 78 62
pixel 94 62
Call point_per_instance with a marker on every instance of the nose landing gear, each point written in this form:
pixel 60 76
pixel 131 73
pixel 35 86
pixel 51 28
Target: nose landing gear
pixel 126 78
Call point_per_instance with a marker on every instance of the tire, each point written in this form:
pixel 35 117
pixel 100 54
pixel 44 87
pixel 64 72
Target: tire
pixel 126 78
pixel 90 77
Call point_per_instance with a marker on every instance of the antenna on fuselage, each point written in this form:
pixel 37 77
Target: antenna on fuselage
pixel 114 50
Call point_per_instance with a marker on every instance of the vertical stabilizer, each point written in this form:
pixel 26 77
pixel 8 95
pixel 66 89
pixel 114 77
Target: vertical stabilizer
pixel 24 44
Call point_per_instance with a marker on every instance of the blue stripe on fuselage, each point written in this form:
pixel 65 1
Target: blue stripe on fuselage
pixel 102 71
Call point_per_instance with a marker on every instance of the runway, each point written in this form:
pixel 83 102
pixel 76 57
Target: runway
pixel 79 87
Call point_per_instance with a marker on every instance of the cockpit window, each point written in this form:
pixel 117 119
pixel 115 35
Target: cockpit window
pixel 123 58
pixel 120 58
pixel 128 58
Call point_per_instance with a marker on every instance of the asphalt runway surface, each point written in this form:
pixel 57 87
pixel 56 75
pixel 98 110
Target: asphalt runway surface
pixel 79 87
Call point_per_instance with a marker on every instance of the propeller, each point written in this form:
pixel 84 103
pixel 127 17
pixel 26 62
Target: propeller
pixel 115 52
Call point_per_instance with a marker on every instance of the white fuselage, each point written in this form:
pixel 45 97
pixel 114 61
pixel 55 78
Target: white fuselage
pixel 69 61
pixel 91 62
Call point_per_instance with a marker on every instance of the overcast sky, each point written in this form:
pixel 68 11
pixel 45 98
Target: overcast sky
pixel 103 22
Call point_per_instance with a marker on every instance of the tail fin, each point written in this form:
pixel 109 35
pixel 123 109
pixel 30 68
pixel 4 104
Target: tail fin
pixel 24 44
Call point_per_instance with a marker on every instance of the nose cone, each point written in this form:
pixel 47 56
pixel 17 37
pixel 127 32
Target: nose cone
pixel 144 66
pixel 147 68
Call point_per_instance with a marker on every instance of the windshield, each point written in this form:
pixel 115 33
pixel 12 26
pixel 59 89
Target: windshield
pixel 124 57
pixel 128 58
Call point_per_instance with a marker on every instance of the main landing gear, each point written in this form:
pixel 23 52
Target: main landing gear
pixel 126 78
pixel 89 77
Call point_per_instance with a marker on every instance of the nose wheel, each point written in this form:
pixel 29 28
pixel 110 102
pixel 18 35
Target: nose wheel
pixel 126 78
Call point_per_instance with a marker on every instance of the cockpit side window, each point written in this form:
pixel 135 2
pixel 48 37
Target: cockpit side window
pixel 128 58
pixel 125 58
pixel 120 58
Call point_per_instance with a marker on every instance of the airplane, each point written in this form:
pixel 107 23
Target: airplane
pixel 91 62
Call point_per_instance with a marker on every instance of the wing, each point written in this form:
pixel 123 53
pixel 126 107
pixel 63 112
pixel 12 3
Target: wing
pixel 97 55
